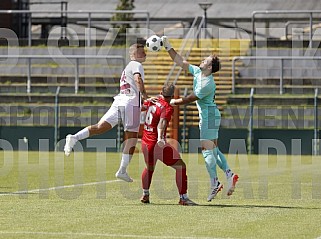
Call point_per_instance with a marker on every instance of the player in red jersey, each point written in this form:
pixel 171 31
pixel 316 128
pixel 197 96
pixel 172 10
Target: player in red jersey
pixel 154 145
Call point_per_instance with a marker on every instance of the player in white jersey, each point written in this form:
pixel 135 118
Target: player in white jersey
pixel 127 104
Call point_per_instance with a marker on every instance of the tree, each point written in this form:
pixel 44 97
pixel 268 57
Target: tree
pixel 123 5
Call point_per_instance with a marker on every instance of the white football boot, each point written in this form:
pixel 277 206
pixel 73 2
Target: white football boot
pixel 231 182
pixel 214 191
pixel 70 143
pixel 124 176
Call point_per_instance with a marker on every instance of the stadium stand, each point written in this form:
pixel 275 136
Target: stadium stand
pixel 97 84
pixel 158 67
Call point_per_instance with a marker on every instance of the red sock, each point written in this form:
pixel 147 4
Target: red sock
pixel 146 178
pixel 181 180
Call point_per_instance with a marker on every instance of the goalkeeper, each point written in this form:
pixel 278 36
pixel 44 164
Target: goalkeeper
pixel 210 118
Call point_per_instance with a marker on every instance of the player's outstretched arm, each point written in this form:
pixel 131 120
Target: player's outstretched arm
pixel 185 100
pixel 178 59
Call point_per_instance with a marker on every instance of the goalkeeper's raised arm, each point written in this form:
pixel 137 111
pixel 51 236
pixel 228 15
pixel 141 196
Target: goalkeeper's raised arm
pixel 178 59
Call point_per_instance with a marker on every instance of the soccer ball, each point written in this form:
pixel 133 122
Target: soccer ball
pixel 154 43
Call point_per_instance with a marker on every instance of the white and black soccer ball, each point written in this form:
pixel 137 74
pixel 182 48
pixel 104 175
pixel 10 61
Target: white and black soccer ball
pixel 154 43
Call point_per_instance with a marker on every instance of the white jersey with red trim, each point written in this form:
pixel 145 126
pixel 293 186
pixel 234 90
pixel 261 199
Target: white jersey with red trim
pixel 129 93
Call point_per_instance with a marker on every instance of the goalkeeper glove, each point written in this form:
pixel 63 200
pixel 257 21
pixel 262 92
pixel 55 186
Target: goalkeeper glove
pixel 166 43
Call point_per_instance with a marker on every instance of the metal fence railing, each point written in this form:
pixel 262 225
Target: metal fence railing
pixel 284 14
pixel 86 14
pixel 281 59
pixel 315 139
pixel 186 52
pixel 267 58
pixel 53 57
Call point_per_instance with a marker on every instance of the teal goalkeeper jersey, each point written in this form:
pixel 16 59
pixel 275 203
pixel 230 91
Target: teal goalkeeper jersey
pixel 204 88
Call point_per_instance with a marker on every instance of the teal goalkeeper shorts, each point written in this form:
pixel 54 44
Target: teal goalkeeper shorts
pixel 209 126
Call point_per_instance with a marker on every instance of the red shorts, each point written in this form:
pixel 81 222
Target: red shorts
pixel 167 154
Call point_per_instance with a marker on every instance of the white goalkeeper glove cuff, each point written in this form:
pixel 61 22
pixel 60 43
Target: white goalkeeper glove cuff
pixel 166 43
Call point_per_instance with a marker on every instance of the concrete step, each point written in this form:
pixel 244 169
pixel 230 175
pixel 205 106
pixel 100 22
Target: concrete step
pixel 66 71
pixel 50 98
pixel 274 116
pixel 160 78
pixel 296 73
pixel 108 79
pixel 163 65
pixel 225 71
pixel 276 81
pixel 215 43
pixel 271 99
pixel 196 61
pixel 275 89
pixel 64 88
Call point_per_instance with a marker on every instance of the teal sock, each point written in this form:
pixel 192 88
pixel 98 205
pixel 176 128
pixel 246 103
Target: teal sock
pixel 218 159
pixel 210 162
pixel 222 162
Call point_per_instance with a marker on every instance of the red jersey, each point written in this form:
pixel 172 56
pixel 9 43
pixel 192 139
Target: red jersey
pixel 161 109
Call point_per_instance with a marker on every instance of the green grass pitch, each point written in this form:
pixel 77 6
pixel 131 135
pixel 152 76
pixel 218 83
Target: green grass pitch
pixel 276 197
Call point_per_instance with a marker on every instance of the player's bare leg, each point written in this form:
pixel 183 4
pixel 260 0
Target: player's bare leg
pixel 128 151
pixel 99 128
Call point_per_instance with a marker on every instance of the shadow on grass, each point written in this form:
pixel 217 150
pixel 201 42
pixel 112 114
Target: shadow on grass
pixel 236 206
pixel 257 206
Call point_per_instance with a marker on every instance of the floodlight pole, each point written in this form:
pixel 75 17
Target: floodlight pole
pixel 205 6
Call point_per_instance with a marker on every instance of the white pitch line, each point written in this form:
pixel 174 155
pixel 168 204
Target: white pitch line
pixel 250 182
pixel 59 187
pixel 77 234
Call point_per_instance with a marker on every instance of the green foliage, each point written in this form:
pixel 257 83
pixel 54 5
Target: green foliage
pixel 123 5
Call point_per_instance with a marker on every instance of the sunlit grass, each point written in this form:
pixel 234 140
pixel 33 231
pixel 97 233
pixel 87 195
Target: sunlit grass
pixel 276 197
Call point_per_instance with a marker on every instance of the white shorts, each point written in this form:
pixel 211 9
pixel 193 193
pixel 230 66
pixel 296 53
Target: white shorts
pixel 129 114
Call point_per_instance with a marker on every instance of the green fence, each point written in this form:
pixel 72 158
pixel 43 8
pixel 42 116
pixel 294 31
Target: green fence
pixel 283 141
pixel 271 141
pixel 228 139
pixel 30 138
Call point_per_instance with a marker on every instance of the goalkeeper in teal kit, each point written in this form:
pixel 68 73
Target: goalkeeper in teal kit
pixel 210 118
